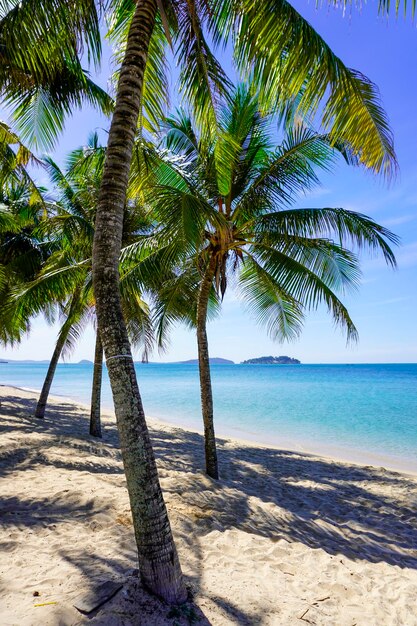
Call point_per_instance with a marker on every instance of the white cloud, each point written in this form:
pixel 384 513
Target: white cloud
pixel 401 219
pixel 319 192
pixel 389 301
pixel 407 255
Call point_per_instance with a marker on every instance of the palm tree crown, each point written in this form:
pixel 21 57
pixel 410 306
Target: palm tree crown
pixel 274 48
pixel 62 282
pixel 223 205
pixel 226 198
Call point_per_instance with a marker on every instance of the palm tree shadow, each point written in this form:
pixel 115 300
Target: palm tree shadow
pixel 372 507
pixel 134 604
pixel 363 513
pixel 22 450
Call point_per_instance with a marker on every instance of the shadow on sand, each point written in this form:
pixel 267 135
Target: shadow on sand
pixel 342 509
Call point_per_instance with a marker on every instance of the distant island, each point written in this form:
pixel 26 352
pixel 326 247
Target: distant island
pixel 23 361
pixel 213 361
pixel 85 362
pixel 272 360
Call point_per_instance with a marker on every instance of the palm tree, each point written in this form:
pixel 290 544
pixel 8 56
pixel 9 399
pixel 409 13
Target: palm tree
pixel 294 69
pixel 66 276
pixel 68 270
pixel 224 203
pixel 159 563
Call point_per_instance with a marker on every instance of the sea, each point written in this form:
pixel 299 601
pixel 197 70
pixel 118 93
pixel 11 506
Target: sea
pixel 364 413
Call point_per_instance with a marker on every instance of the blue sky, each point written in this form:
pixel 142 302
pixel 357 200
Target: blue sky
pixel 384 308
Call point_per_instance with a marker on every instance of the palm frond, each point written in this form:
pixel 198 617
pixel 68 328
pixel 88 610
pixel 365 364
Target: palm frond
pixel 203 82
pixel 287 172
pixel 348 227
pixel 80 315
pixel 180 136
pixel 308 286
pixel 385 7
pixel 271 305
pixel 23 25
pixel 8 221
pixel 287 59
pixel 136 313
pixel 52 286
pixel 335 265
pixel 39 111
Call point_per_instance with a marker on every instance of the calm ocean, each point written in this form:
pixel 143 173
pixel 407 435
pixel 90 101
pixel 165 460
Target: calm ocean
pixel 371 409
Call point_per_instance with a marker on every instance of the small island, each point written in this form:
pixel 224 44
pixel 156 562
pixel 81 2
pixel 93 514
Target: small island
pixel 272 360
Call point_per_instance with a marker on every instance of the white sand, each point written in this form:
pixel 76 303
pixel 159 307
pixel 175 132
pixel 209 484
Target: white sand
pixel 284 538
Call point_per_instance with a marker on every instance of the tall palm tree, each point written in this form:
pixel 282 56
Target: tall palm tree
pixel 65 278
pixel 294 69
pixel 159 564
pixel 224 203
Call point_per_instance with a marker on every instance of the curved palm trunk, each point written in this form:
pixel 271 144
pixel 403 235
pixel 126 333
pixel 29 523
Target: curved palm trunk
pixel 43 398
pixel 158 561
pixel 95 421
pixel 204 368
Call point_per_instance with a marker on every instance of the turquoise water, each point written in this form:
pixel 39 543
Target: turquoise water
pixel 369 408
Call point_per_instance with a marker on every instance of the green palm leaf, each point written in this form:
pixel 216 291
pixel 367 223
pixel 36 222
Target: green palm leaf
pixel 288 61
pixel 203 82
pixel 41 77
pixel 349 227
pixel 268 301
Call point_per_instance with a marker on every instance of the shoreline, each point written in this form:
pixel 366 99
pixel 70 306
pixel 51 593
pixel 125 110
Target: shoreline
pixel 340 454
pixel 337 454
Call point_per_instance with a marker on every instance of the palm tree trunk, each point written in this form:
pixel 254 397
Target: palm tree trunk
pixel 204 368
pixel 43 398
pixel 95 421
pixel 158 560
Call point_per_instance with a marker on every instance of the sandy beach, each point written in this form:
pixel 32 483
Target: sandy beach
pixel 284 538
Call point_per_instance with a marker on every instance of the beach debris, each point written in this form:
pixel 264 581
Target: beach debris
pixel 45 603
pixel 97 596
pixel 304 619
pixel 36 594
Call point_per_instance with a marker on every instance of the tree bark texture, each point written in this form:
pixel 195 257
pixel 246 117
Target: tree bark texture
pixel 158 560
pixel 95 419
pixel 204 369
pixel 43 398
